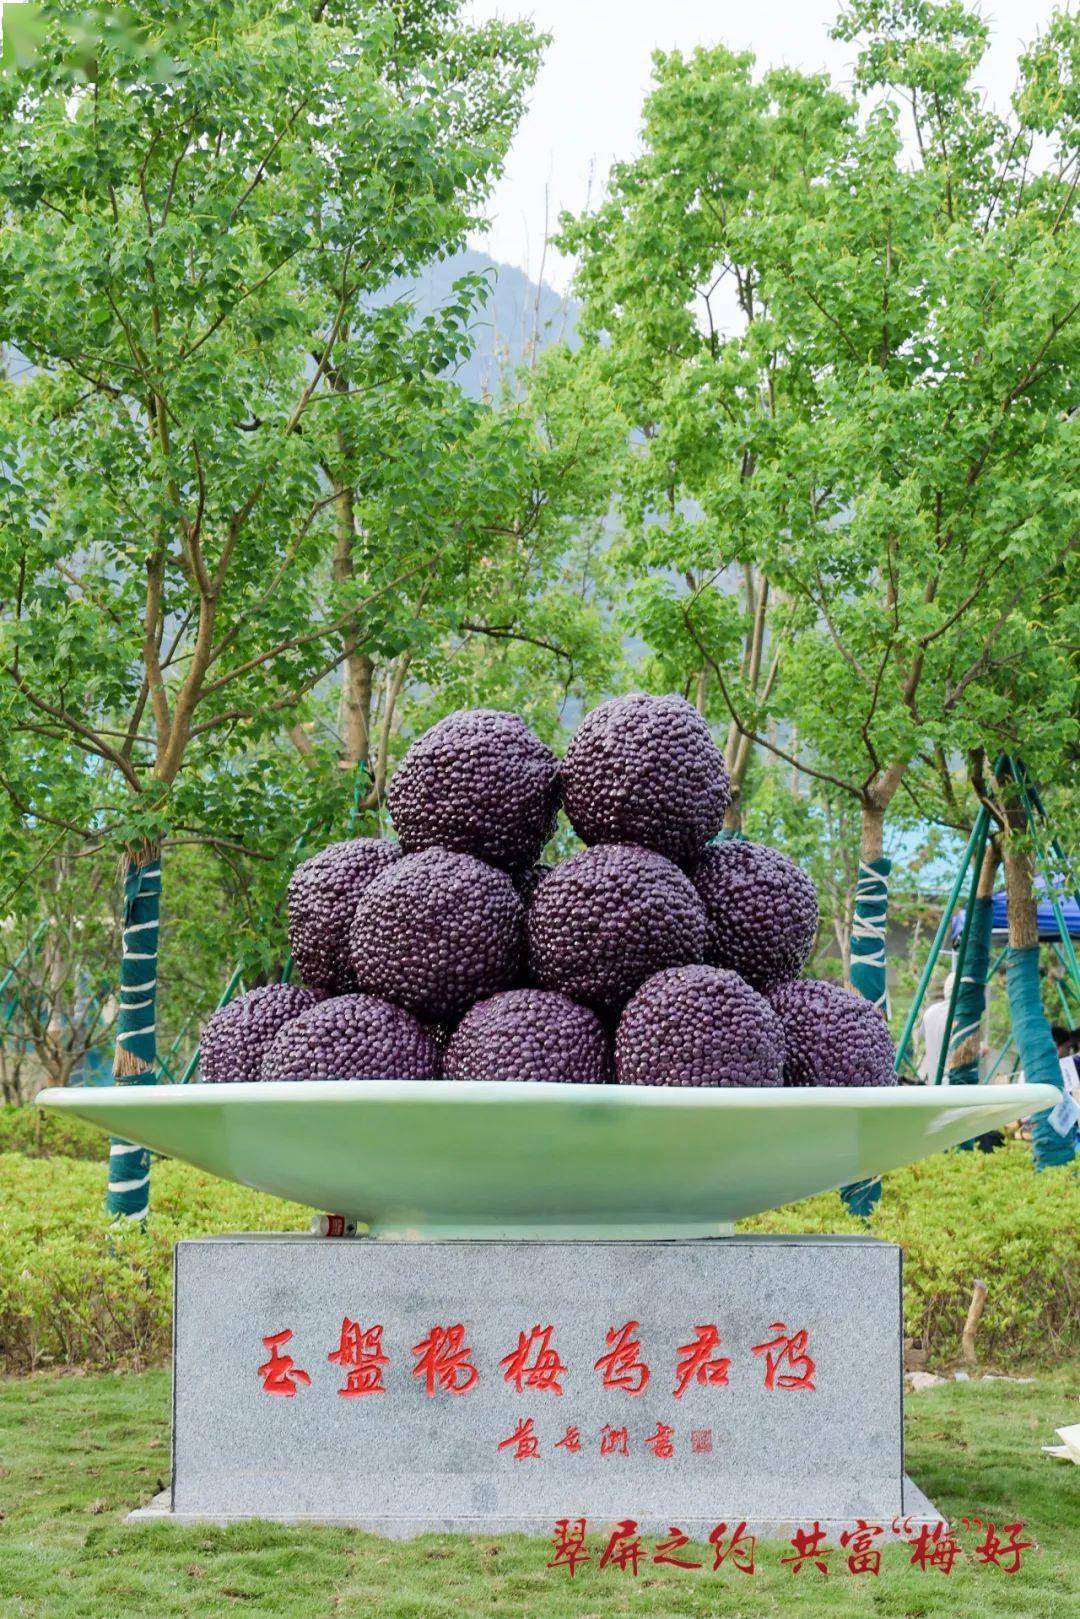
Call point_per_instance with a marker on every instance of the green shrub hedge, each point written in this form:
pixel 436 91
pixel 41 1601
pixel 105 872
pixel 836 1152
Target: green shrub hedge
pixel 43 1133
pixel 74 1293
pixel 967 1216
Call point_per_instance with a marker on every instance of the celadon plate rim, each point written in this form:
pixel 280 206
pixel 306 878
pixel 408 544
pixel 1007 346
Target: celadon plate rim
pixel 445 1158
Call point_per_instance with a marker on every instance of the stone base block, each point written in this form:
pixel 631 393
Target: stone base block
pixel 919 1511
pixel 493 1387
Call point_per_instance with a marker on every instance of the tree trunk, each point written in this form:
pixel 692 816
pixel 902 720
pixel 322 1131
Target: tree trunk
pixel 355 711
pixel 872 831
pixel 57 1032
pixel 1023 914
pixel 757 681
pixel 135 1058
pixel 357 669
pixel 1031 1030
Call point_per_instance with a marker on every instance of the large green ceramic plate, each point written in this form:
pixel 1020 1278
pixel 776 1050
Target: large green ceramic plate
pixel 468 1158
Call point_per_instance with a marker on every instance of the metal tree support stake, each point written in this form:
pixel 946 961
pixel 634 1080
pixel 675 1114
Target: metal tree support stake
pixel 977 847
pixel 982 818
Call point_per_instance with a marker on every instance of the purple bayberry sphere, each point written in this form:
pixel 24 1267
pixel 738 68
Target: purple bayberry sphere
pixel 323 893
pixel 609 918
pixel 436 932
pixel 529 1034
pixel 353 1037
pixel 698 1026
pixel 833 1036
pixel 646 770
pixel 235 1038
pixel 762 911
pixel 528 881
pixel 478 783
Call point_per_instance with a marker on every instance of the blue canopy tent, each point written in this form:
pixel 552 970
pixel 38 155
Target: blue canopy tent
pixel 1048 927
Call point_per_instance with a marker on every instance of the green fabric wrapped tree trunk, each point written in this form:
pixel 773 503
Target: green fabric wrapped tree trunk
pixel 128 1195
pixel 1038 1054
pixel 868 977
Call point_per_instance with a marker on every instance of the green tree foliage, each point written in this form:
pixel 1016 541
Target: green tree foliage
pixel 202 374
pixel 877 429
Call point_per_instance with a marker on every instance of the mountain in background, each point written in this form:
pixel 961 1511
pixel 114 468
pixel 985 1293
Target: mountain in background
pixel 520 317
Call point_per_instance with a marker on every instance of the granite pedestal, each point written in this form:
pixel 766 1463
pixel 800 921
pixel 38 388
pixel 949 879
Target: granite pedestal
pixel 494 1386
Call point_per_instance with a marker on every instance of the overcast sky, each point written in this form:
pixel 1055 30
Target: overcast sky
pixel 586 107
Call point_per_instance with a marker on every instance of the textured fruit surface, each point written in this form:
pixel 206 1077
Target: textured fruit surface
pixel 236 1037
pixel 323 893
pixel 646 770
pixel 529 1034
pixel 832 1035
pixel 609 918
pixel 353 1037
pixel 479 783
pixel 437 931
pixel 762 911
pixel 528 881
pixel 698 1026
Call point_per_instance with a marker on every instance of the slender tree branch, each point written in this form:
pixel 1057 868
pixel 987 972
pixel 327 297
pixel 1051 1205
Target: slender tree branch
pixel 77 728
pixel 754 736
pixel 507 632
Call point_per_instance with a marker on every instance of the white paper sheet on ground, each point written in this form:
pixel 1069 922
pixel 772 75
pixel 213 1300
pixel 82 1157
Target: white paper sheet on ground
pixel 1069 1451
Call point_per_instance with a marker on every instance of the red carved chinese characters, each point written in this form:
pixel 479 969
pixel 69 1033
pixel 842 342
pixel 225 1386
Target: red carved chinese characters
pixel 809 1547
pixel 361 1351
pixel 622 1367
pixel 614 1441
pixel 786 1350
pixel 995 1550
pixel 666 1549
pixel 935 1547
pixel 280 1374
pixel 571 1440
pixel 863 1555
pixel 442 1360
pixel 701 1441
pixel 569 1544
pixel 660 1442
pixel 740 1547
pixel 697 1362
pixel 523 1441
pixel 542 1371
pixel 623 1549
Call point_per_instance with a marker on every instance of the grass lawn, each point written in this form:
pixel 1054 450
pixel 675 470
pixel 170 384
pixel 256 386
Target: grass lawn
pixel 77 1452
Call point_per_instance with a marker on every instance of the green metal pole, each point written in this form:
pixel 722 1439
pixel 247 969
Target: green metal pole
pixel 980 832
pixel 935 948
pixel 999 1059
pixel 1063 998
pixel 911 1068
